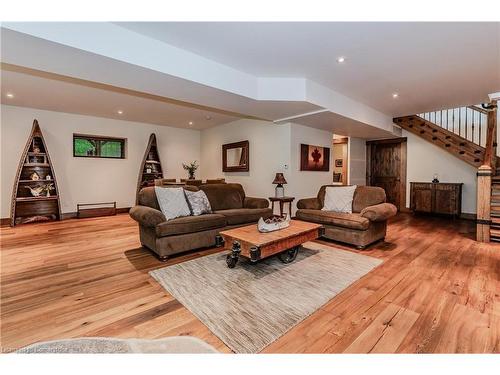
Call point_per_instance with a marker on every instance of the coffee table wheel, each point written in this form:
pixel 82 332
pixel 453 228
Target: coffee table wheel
pixel 288 256
pixel 231 261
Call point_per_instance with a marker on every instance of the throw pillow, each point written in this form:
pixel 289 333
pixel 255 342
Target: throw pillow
pixel 339 198
pixel 198 202
pixel 172 202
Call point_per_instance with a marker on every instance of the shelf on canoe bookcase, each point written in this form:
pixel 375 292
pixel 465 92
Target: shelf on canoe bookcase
pixel 33 199
pixel 46 165
pixel 29 208
pixel 41 180
pixel 152 157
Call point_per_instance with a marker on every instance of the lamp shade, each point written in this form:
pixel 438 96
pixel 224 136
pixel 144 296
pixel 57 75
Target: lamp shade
pixel 279 179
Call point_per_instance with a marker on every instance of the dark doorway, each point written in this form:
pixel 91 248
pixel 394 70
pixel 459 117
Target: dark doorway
pixel 386 168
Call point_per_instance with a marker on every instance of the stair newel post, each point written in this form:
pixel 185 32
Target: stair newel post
pixel 492 117
pixel 484 174
pixel 484 177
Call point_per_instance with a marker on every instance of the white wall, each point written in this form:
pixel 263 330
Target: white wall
pixel 269 153
pixel 357 161
pixel 82 180
pixel 424 159
pixel 304 184
pixel 273 148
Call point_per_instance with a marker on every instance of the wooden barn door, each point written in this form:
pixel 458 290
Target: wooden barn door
pixel 386 168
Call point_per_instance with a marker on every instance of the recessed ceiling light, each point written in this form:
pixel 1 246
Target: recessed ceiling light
pixel 120 112
pixel 9 95
pixel 190 123
pixel 395 95
pixel 208 117
pixel 340 59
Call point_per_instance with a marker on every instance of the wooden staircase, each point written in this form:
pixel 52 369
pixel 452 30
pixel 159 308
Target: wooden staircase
pixel 464 149
pixel 469 133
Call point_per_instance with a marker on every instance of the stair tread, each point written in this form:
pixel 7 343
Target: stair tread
pixel 495 232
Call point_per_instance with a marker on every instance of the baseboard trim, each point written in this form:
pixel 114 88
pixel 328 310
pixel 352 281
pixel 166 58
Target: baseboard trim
pixel 5 222
pixel 467 216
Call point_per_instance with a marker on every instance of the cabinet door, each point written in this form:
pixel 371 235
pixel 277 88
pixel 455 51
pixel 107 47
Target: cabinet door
pixel 421 197
pixel 423 200
pixel 446 200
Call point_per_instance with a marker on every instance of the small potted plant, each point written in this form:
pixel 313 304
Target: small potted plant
pixel 191 168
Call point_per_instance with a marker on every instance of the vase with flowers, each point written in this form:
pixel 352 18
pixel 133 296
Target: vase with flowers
pixel 191 169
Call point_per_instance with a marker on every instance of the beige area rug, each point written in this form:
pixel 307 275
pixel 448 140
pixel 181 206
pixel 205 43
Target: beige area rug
pixel 250 306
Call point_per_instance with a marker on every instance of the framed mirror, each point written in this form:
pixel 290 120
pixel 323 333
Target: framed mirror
pixel 235 157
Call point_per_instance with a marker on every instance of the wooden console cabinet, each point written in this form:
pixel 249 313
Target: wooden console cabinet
pixel 436 198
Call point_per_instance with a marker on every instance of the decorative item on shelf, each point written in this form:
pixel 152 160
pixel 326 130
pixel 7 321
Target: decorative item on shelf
pixel 36 149
pixel 435 179
pixel 191 169
pixel 39 190
pixel 273 223
pixel 339 163
pixel 48 188
pixel 35 159
pixel 48 177
pixel 34 176
pixel 149 169
pixel 279 181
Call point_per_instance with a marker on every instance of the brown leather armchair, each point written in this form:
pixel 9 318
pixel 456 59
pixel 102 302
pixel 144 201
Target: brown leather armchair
pixel 365 225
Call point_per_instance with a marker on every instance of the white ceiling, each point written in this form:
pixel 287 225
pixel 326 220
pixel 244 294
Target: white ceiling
pixel 60 95
pixel 173 73
pixel 431 65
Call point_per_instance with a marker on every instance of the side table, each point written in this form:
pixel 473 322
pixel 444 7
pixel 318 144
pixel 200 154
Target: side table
pixel 282 201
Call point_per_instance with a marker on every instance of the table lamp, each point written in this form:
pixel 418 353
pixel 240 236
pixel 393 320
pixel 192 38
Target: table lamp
pixel 279 181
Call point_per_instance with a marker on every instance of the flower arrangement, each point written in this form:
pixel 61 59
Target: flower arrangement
pixel 191 168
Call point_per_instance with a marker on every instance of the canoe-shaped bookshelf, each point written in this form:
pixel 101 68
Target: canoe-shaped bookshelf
pixel 35 196
pixel 150 166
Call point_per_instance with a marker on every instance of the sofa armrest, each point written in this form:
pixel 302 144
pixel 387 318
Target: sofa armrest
pixel 255 203
pixel 147 216
pixel 309 204
pixel 379 212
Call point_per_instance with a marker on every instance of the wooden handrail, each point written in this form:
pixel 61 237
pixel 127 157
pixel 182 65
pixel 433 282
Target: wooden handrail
pixel 481 110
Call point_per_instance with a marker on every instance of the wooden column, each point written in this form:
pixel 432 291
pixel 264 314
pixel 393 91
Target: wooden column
pixel 484 174
pixel 492 117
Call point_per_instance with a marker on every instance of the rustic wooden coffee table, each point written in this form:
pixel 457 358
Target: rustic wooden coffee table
pixel 248 242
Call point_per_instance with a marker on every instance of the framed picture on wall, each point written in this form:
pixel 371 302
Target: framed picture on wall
pixel 339 163
pixel 314 158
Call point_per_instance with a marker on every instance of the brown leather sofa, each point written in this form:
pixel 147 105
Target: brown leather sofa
pixel 230 206
pixel 367 223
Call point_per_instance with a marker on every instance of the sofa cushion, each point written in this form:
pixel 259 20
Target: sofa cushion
pixel 147 195
pixel 339 219
pixel 339 198
pixel 364 196
pixel 172 202
pixel 198 202
pixel 245 215
pixel 190 224
pixel 224 196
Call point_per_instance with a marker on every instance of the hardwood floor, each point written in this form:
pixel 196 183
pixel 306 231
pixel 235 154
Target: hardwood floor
pixel 436 292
